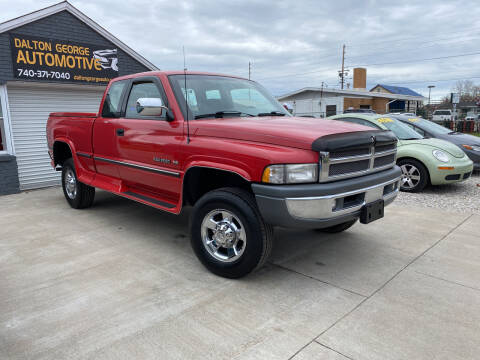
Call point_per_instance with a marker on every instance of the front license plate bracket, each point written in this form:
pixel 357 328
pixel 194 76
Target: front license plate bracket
pixel 372 211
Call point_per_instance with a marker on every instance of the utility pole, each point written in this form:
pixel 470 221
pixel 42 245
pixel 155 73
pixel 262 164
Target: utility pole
pixel 322 114
pixel 341 73
pixel 249 70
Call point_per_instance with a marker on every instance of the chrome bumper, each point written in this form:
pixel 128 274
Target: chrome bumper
pixel 331 206
pixel 324 204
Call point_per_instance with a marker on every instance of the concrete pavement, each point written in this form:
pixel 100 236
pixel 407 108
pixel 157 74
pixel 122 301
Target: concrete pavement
pixel 119 281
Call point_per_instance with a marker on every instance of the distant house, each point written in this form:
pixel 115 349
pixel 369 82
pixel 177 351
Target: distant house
pixel 398 105
pixel 322 102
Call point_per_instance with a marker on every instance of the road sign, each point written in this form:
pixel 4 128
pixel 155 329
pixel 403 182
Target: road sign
pixel 454 98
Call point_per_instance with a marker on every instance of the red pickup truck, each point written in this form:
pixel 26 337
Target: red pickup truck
pixel 225 146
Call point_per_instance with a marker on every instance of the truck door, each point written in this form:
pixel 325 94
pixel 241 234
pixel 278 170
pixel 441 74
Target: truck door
pixel 104 137
pixel 148 146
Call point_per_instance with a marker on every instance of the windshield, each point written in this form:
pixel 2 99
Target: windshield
pixel 429 126
pixel 402 131
pixel 442 112
pixel 210 96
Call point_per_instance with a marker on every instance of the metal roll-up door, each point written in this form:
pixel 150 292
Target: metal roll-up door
pixel 30 104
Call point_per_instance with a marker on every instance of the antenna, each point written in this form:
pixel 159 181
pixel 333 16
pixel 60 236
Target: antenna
pixel 186 94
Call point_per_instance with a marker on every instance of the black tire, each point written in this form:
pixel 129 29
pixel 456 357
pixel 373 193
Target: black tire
pixel 421 171
pixel 259 235
pixel 83 195
pixel 339 228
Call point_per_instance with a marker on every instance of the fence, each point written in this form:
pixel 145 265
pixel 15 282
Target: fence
pixel 465 126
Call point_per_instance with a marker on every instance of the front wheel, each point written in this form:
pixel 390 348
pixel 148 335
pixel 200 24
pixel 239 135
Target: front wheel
pixel 414 175
pixel 78 195
pixel 228 233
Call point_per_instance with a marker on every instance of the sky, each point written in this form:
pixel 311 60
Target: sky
pixel 296 44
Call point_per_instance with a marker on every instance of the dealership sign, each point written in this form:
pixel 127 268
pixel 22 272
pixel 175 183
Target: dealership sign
pixel 42 59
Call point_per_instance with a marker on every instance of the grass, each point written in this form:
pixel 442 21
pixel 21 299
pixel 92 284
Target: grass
pixel 476 134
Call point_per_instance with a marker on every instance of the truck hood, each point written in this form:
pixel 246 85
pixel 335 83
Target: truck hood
pixel 298 132
pixel 447 146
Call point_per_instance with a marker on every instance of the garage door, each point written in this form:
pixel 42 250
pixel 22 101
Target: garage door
pixel 30 105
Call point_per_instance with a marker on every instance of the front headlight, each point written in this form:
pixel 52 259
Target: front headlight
pixel 440 155
pixel 290 174
pixel 472 147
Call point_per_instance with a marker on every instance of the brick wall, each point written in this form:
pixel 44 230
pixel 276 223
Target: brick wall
pixel 377 104
pixel 8 175
pixel 62 26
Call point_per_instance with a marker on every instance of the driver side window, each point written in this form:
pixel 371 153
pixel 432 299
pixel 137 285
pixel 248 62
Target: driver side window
pixel 141 90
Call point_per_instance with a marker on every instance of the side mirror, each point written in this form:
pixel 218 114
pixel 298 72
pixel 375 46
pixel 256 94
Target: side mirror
pixel 150 107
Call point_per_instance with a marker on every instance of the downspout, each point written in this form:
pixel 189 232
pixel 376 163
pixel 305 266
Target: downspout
pixel 388 103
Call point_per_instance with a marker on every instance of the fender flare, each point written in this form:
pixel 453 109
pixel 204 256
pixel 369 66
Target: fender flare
pixel 209 165
pixel 71 147
pixel 215 166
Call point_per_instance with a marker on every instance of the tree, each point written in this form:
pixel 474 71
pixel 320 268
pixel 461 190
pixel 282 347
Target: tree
pixel 467 89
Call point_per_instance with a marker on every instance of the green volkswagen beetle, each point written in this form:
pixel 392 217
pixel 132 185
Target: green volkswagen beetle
pixel 422 161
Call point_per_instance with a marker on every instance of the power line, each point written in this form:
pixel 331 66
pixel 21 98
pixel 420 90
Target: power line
pixel 427 81
pixel 415 37
pixel 376 64
pixel 419 60
pixel 376 52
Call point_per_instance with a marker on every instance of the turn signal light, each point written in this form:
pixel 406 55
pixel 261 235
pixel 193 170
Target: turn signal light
pixel 446 168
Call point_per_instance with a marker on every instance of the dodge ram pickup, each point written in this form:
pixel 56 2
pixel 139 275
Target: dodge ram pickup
pixel 225 146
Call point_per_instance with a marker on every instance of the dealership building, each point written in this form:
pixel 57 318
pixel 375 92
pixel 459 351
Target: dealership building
pixel 54 59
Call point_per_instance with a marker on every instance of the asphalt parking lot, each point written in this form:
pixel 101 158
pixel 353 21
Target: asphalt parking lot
pixel 119 281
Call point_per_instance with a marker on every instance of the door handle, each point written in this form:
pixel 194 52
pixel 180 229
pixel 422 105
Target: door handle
pixel 120 132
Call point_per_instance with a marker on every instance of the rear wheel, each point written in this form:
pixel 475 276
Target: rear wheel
pixel 78 195
pixel 228 233
pixel 414 175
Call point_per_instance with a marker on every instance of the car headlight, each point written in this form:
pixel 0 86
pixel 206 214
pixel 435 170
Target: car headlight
pixel 290 174
pixel 472 147
pixel 440 155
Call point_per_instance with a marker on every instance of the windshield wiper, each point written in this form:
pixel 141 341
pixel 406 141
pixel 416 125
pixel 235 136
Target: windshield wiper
pixel 220 114
pixel 271 113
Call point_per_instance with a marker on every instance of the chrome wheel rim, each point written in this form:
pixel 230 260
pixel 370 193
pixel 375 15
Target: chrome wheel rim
pixel 223 235
pixel 70 182
pixel 410 176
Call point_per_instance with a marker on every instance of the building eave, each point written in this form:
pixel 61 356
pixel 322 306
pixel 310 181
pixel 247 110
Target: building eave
pixel 353 93
pixel 66 6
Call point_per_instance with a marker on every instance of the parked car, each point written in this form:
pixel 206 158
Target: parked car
pixel 422 161
pixel 352 110
pixel 468 143
pixel 231 151
pixel 442 115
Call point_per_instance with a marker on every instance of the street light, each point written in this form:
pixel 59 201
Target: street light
pixel 429 91
pixel 429 106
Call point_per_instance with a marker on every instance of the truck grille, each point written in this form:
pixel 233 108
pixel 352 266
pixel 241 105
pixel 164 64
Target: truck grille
pixel 349 152
pixel 348 167
pixel 348 163
pixel 384 160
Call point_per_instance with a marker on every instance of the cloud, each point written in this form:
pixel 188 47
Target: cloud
pixel 295 37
